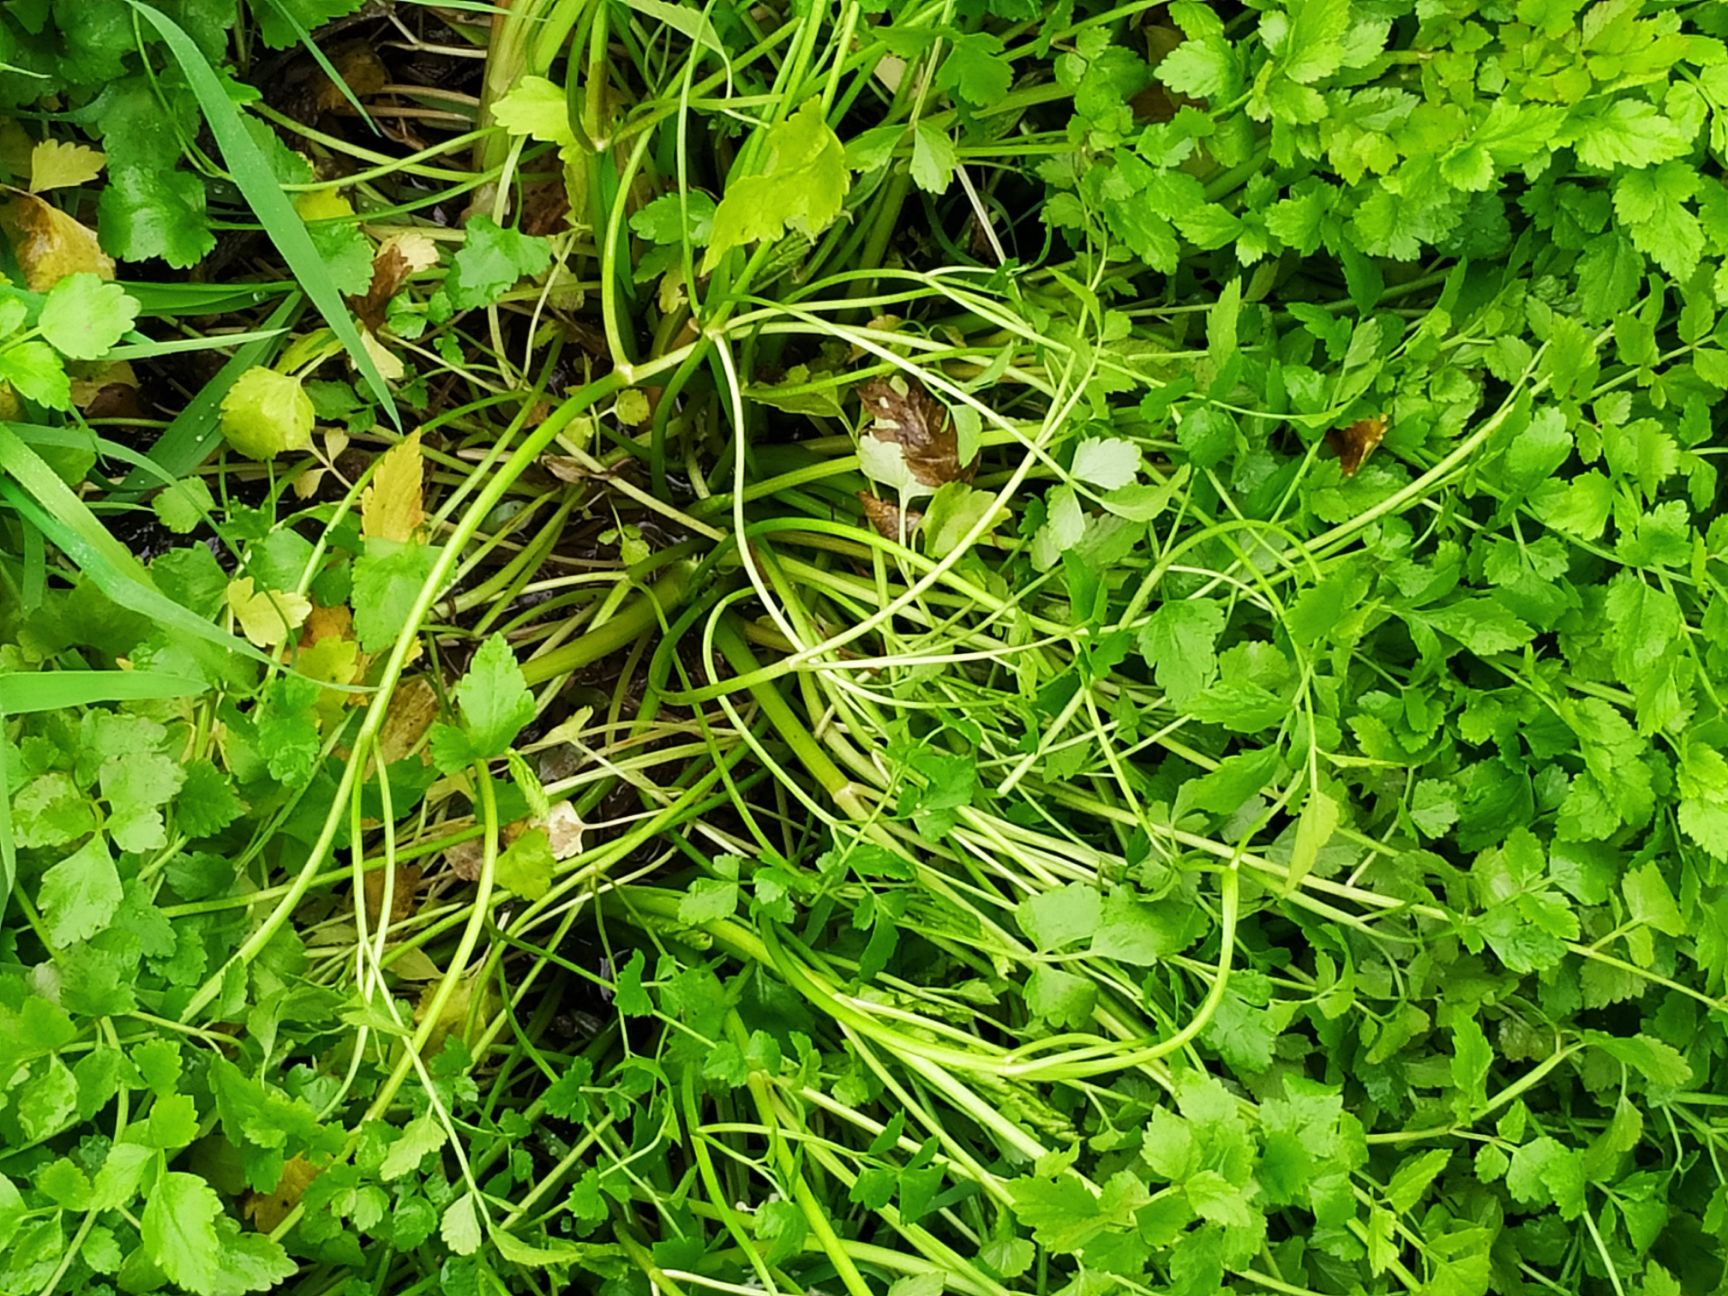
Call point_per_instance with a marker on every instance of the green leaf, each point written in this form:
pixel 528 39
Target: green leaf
pixel 537 108
pixel 184 506
pixel 1179 642
pixel 974 70
pixel 1482 625
pixel 1199 68
pixel 491 260
pixel 388 578
pixel 81 894
pixel 1307 39
pixel 284 22
pixel 1658 1062
pixel 1613 132
pixel 1053 919
pixel 82 317
pixel 1651 902
pixel 183 1239
pixel 933 158
pixel 1140 932
pixel 952 513
pixel 1652 205
pixel 525 867
pixel 460 1227
pixel 801 186
pixel 420 1137
pixel 1106 462
pixel 708 900
pixel 34 370
pixel 152 210
pixel 495 704
pixel 1234 781
pixel 1411 1180
pixel 1060 998
pixel 1320 816
pixel 671 218
pixel 1546 1171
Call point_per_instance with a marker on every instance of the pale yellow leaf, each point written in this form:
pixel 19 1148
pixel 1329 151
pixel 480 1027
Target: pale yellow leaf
pixel 57 164
pixel 266 617
pixel 419 250
pixel 388 362
pixel 390 508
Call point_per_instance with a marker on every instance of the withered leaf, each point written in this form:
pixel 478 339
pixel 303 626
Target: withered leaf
pixel 565 468
pixel 49 244
pixel 404 896
pixel 465 860
pixel 327 623
pixel 887 516
pixel 395 261
pixel 411 714
pixel 564 829
pixel 903 414
pixel 268 1210
pixel 1355 443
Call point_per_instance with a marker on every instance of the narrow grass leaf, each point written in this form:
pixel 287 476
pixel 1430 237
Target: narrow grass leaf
pixel 251 172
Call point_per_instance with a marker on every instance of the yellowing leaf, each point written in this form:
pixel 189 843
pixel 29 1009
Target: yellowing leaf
pixel 323 204
pixel 56 164
pixel 267 1210
pixel 390 508
pixel 632 407
pixel 266 413
pixel 49 244
pixel 266 617
pixel 334 661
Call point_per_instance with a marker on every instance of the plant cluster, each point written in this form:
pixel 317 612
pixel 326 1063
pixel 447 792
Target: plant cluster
pixel 868 646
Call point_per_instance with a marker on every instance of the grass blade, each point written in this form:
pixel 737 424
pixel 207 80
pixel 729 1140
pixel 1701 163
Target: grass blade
pixel 26 691
pixel 48 504
pixel 281 222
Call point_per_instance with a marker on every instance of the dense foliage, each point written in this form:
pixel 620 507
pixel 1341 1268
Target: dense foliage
pixel 869 646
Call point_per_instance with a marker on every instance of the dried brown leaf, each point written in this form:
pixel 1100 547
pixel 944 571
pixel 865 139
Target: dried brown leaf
pixel 404 895
pixel 357 63
pixel 49 244
pixel 906 415
pixel 411 714
pixel 464 860
pixel 565 468
pixel 390 270
pixel 1355 443
pixel 887 518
